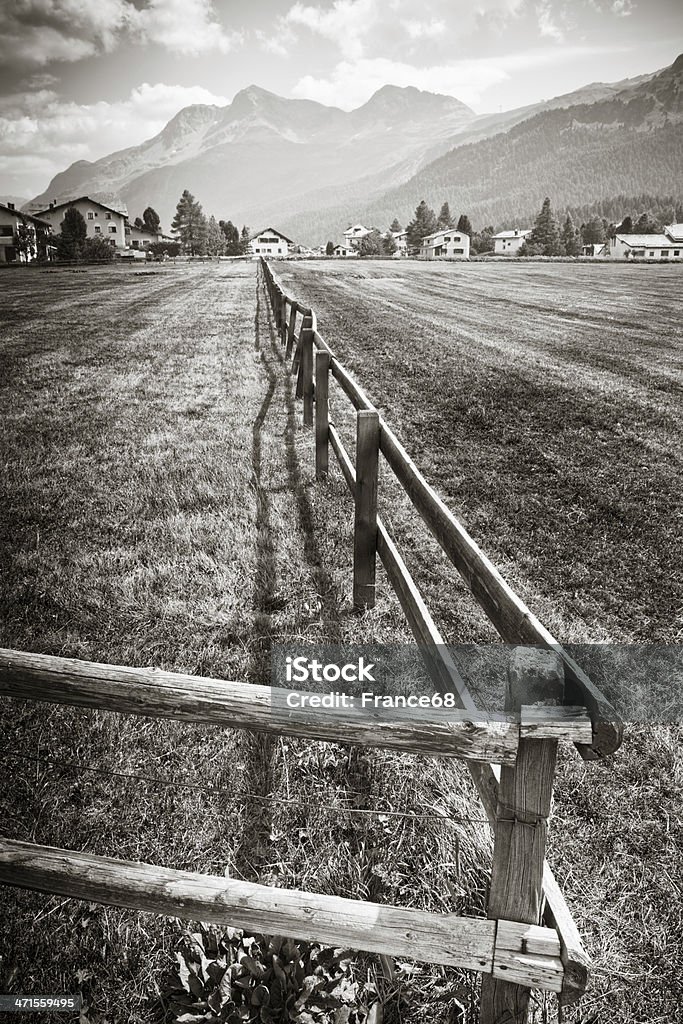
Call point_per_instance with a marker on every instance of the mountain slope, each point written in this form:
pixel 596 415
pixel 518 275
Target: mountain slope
pixel 263 152
pixel 629 141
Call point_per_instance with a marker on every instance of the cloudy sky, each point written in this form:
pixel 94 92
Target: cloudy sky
pixel 82 78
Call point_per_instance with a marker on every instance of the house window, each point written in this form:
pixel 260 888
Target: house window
pixel 652 253
pixel 458 252
pixel 257 250
pixel 665 253
pixel 279 250
pixel 677 252
pixel 108 216
pixel 98 229
pixel 112 229
pixel 90 215
pixel 447 238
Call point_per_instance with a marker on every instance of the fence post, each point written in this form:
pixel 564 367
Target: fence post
pixel 306 369
pixel 283 319
pixel 322 369
pixel 290 332
pixel 365 519
pixel 521 827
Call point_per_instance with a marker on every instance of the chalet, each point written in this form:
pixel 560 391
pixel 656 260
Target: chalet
pixel 668 245
pixel 141 238
pixel 270 242
pixel 401 239
pixel 508 243
pixel 345 250
pixel 11 222
pixel 101 221
pixel 446 243
pixel 355 233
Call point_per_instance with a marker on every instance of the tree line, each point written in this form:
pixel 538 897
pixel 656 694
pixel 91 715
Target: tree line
pixel 198 235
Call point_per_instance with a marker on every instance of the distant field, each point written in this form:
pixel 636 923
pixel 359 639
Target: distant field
pixel 544 402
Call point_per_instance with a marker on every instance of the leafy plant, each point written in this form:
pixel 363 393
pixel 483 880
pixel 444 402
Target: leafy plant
pixel 227 976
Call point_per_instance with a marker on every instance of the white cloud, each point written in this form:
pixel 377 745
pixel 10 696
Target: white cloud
pixel 547 26
pixel 41 31
pixel 425 29
pixel 346 23
pixel 42 134
pixel 351 83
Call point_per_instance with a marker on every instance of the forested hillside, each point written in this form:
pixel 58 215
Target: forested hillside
pixel 627 145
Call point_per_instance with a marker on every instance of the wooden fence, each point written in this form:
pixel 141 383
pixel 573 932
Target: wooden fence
pixel 529 939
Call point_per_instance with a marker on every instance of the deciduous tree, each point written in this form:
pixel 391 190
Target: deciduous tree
pixel 73 233
pixel 151 219
pixel 215 239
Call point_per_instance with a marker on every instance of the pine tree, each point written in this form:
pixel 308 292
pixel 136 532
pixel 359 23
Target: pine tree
pixel 626 226
pixel 396 225
pixel 138 222
pixel 215 239
pixel 464 225
pixel 593 232
pixel 245 240
pixel 389 246
pixel 569 238
pixel 422 224
pixel 329 249
pixel 189 224
pixel 445 220
pixel 544 239
pixel 73 235
pixel 151 220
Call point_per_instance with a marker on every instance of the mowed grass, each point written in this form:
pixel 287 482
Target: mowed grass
pixel 159 508
pixel 544 404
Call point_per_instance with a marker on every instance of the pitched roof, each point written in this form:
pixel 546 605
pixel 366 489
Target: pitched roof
pixel 25 216
pixel 87 199
pixel 273 231
pixel 655 241
pixel 443 231
pixel 675 231
pixel 519 233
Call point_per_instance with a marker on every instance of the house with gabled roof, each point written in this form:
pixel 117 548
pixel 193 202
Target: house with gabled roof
pixel 270 242
pixel 446 243
pixel 101 220
pixel 12 223
pixel 354 234
pixel 664 246
pixel 508 243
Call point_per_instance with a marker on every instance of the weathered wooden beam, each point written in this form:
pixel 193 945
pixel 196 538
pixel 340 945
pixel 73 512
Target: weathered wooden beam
pixel 306 338
pixel 365 518
pixel 322 412
pixel 505 609
pixel 521 827
pixel 291 331
pixel 156 694
pixel 464 942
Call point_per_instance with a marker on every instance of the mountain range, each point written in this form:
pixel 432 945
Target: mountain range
pixel 309 170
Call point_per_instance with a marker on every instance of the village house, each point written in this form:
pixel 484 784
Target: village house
pixel 354 234
pixel 446 243
pixel 270 242
pixel 668 245
pixel 345 250
pixel 508 243
pixel 101 221
pixel 141 238
pixel 12 221
pixel 401 240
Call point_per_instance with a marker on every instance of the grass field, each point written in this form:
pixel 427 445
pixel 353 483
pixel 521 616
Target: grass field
pixel 159 508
